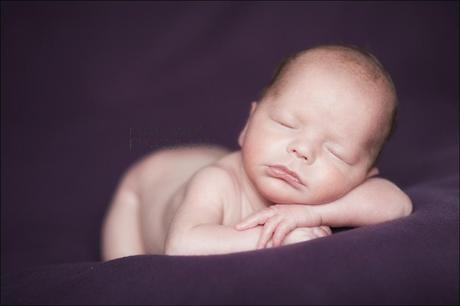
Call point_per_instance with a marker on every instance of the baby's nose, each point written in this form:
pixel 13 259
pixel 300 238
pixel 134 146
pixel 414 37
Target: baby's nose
pixel 304 154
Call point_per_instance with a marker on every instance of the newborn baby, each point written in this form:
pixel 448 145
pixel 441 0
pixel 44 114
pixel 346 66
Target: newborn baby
pixel 307 163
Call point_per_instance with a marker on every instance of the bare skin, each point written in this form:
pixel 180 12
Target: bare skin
pixel 152 192
pixel 146 206
pixel 206 200
pixel 147 198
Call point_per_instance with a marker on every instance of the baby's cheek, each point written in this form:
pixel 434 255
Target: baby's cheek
pixel 330 185
pixel 263 144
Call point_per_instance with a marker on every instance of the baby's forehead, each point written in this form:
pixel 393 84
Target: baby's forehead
pixel 330 89
pixel 319 78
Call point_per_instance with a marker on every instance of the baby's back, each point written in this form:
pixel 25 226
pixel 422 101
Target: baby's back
pixel 147 198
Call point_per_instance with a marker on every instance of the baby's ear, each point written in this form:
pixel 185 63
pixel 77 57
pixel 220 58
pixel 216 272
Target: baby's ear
pixel 242 135
pixel 243 132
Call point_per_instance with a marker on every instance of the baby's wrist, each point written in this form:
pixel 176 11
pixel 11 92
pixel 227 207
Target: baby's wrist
pixel 314 217
pixel 320 218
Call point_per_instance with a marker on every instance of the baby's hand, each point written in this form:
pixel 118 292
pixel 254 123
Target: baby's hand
pixel 301 234
pixel 278 221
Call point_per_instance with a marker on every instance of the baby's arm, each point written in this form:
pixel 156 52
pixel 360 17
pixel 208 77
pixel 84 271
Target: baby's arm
pixel 197 229
pixel 374 201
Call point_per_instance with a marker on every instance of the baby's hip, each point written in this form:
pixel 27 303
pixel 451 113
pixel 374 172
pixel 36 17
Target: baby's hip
pixel 175 163
pixel 159 175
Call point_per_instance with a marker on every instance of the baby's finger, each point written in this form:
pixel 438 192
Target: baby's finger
pixel 267 231
pixel 327 229
pixel 320 232
pixel 281 231
pixel 255 219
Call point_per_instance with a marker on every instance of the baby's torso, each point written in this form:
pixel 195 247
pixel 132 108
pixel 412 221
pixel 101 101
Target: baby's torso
pixel 161 182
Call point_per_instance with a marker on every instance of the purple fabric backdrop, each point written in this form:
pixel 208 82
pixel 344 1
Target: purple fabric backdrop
pixel 88 88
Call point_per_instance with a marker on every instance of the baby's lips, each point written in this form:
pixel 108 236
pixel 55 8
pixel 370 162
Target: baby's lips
pixel 238 226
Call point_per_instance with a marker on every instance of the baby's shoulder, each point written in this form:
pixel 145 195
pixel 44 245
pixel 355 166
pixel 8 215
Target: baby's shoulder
pixel 210 188
pixel 212 178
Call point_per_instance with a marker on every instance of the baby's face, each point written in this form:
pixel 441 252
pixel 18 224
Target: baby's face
pixel 320 125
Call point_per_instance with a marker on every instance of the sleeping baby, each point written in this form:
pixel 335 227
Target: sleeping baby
pixel 307 162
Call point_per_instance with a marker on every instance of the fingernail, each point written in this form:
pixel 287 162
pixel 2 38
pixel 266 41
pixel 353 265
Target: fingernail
pixel 317 232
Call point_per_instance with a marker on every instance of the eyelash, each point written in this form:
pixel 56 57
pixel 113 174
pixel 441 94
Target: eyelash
pixel 284 124
pixel 335 154
pixel 338 157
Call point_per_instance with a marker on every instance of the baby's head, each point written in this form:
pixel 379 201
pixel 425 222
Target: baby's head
pixel 325 116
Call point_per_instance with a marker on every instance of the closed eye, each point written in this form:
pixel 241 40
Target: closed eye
pixel 284 124
pixel 337 156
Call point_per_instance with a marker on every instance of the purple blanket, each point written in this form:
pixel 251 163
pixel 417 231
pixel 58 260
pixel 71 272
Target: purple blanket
pixel 88 88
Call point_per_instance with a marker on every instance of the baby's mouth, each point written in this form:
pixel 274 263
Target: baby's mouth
pixel 284 173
